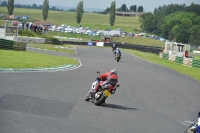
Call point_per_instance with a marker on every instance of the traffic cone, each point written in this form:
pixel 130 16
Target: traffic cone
pixel 198 128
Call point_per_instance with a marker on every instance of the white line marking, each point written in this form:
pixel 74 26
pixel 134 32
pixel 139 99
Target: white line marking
pixel 187 123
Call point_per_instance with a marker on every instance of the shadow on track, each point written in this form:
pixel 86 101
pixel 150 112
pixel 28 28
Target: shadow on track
pixel 107 105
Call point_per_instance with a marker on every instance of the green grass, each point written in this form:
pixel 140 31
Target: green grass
pixel 189 71
pixel 128 24
pixel 88 20
pixel 197 57
pixel 59 48
pixel 23 59
pixel 139 40
pixel 125 39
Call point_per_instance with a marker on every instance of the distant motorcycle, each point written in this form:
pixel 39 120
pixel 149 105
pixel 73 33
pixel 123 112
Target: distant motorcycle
pixel 105 91
pixel 117 57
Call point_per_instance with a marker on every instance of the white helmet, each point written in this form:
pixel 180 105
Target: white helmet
pixel 114 71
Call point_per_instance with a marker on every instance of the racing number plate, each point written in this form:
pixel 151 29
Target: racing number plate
pixel 107 93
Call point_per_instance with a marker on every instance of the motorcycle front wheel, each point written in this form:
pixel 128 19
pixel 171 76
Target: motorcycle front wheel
pixel 99 101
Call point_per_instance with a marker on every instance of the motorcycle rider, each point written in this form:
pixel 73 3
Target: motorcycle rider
pixel 114 47
pixel 109 78
pixel 117 51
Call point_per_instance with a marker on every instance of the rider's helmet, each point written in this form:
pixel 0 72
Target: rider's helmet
pixel 117 48
pixel 114 71
pixel 113 45
pixel 113 78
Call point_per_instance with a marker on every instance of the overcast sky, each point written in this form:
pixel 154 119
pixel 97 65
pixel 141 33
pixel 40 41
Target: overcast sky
pixel 148 5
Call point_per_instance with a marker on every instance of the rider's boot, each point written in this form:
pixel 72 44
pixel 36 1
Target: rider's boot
pixel 90 95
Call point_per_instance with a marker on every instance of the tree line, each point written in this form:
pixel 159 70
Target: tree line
pixel 79 10
pixel 175 22
pixel 124 8
pixel 45 8
pixel 33 6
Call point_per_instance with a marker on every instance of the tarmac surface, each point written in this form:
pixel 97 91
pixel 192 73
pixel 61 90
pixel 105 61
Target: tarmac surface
pixel 151 98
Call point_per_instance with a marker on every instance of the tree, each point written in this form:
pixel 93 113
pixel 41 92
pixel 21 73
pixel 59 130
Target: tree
pixel 123 8
pixel 40 7
pixel 118 9
pixel 53 8
pixel 4 3
pixel 148 22
pixel 79 12
pixel 181 32
pixel 112 13
pixel 10 7
pixel 133 8
pixel 193 8
pixel 106 10
pixel 197 21
pixel 34 6
pixel 194 35
pixel 140 9
pixel 45 9
pixel 176 26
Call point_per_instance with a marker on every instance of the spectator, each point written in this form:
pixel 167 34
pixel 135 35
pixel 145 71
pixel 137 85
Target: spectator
pixel 35 28
pixel 27 25
pixel 186 53
pixel 163 49
pixel 22 24
pixel 7 23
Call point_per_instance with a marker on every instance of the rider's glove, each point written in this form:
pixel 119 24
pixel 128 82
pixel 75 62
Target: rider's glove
pixel 98 79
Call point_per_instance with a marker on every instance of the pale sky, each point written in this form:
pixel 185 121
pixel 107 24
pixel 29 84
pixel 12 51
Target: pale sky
pixel 148 5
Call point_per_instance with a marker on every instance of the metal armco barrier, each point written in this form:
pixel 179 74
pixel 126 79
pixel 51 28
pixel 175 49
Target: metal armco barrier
pixel 142 48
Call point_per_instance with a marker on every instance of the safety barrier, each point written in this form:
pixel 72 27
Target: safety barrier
pixel 12 45
pixel 172 58
pixel 187 61
pixel 165 56
pixel 180 60
pixel 196 63
pixel 6 44
pixel 143 48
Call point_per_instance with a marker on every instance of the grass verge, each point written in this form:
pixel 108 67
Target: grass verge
pixel 59 48
pixel 23 59
pixel 189 71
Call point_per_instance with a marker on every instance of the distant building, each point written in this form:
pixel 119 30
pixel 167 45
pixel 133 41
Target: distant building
pixel 129 14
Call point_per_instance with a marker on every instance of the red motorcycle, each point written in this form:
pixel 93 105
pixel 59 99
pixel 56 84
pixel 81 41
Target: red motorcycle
pixel 105 90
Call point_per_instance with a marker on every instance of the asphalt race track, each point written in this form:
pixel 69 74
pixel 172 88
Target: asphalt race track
pixel 151 98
